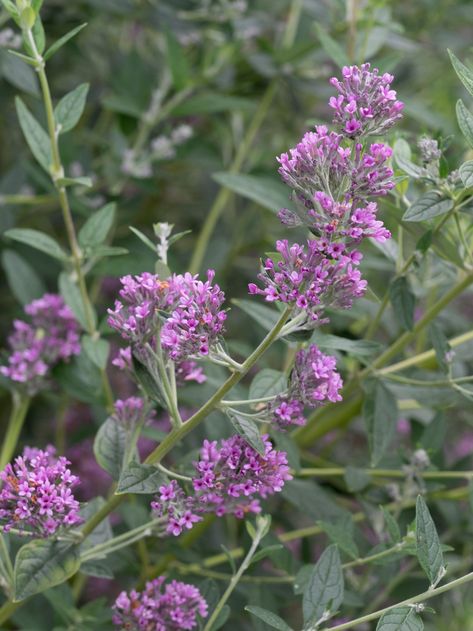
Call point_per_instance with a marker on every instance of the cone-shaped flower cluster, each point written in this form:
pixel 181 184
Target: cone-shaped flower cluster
pixel 333 180
pixel 51 336
pixel 172 607
pixel 182 310
pixel 314 381
pixel 36 496
pixel 230 477
pixel 365 103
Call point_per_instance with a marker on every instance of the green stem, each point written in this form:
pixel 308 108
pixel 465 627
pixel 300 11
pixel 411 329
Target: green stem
pixel 57 172
pixel 8 609
pixel 177 434
pixel 125 539
pixel 387 473
pixel 261 531
pixel 431 593
pixel 15 424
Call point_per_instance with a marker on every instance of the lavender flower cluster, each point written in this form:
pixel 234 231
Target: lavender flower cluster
pixel 160 607
pixel 36 495
pixel 314 381
pixel 229 478
pixel 182 313
pixel 333 178
pixel 51 336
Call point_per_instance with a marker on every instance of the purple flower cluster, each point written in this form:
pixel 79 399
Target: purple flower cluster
pixel 182 310
pixel 36 496
pixel 333 179
pixel 365 103
pixel 229 479
pixel 314 381
pixel 52 335
pixel 309 280
pixel 172 607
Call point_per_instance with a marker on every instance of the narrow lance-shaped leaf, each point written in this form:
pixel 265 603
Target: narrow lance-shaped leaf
pixel 73 298
pixel 38 240
pixel 464 74
pixel 380 414
pixel 323 594
pixel 69 109
pixel 465 121
pixel 429 549
pixel 63 40
pixel 265 191
pixel 140 479
pixel 270 618
pixel 268 382
pixel 97 227
pixel 403 302
pixel 24 283
pixel 37 139
pixel 400 619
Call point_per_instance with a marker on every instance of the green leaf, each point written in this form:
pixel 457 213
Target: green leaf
pixel 147 382
pixel 69 109
pixel 359 348
pixel 341 533
pixel 323 594
pixel 221 618
pixel 247 430
pixel 212 103
pixel 431 204
pixel 22 279
pixel 440 345
pixel 465 121
pixel 380 414
pixel 140 479
pixel 97 227
pixel 109 447
pixel 270 618
pixel 331 47
pixel 73 298
pixel 464 74
pixel 177 62
pixel 403 302
pixel 37 240
pixel 142 237
pixel 266 383
pixel 391 525
pixel 16 69
pixel 80 378
pixel 37 139
pixel 75 181
pixel 434 435
pixel 400 619
pixel 429 549
pixel 63 40
pixel 265 191
pixel 41 564
pixel 106 250
pixel 12 10
pixel 402 157
pixel 356 479
pixel 97 350
pixel 266 552
pixel 263 315
pixel 466 174
pixel 38 33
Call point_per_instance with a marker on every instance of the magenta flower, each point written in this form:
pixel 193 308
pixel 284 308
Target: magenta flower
pixel 184 311
pixel 172 607
pixel 36 496
pixel 230 478
pixel 365 104
pixel 314 382
pixel 51 336
pixel 309 281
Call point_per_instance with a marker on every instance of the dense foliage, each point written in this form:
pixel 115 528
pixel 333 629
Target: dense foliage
pixel 238 257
